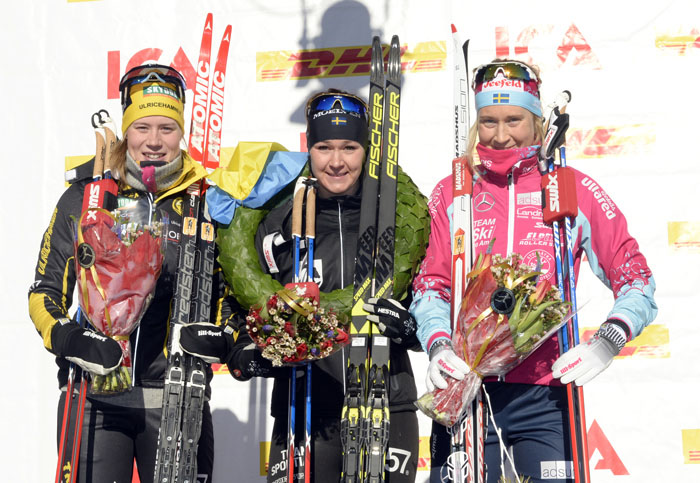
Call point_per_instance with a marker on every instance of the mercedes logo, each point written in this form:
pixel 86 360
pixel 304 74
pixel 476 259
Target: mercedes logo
pixel 484 202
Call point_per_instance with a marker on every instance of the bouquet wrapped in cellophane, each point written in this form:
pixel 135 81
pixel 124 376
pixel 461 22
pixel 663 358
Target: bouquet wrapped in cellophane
pixel 118 261
pixel 506 314
pixel 292 327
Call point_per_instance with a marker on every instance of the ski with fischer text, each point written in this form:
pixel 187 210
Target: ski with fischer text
pixel 185 381
pixel 365 415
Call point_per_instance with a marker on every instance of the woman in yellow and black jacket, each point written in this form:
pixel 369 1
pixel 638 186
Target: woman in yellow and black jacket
pixel 153 174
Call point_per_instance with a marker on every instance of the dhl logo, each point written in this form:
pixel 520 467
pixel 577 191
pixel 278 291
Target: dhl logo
pixel 606 141
pixel 678 43
pixel 691 446
pixel 652 343
pixel 344 61
pixel 684 236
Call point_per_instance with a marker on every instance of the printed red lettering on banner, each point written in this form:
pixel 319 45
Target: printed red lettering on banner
pixel 310 63
pixel 597 441
pixel 573 42
pixel 114 70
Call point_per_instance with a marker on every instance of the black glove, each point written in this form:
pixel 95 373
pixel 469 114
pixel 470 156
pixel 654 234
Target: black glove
pixel 211 343
pixel 251 363
pixel 392 319
pixel 96 353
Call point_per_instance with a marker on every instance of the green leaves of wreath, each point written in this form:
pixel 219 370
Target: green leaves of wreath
pixel 252 286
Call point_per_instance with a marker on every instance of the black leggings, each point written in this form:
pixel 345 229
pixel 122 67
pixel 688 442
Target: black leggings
pixel 114 436
pixel 327 450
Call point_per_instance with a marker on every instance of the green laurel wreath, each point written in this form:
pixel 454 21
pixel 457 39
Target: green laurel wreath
pixel 252 286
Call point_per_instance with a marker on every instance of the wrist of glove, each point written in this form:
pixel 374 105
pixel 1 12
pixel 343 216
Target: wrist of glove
pixel 391 318
pixel 585 361
pixel 211 343
pixel 444 363
pixel 93 352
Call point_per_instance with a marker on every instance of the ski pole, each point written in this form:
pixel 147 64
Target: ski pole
pixel 297 209
pixel 577 412
pixel 565 208
pixel 310 233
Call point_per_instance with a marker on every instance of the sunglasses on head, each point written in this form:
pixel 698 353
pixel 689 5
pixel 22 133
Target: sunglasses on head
pixel 161 74
pixel 346 102
pixel 512 70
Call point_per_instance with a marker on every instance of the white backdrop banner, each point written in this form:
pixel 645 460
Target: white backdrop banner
pixel 631 68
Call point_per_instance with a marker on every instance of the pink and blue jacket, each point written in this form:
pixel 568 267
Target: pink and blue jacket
pixel 508 208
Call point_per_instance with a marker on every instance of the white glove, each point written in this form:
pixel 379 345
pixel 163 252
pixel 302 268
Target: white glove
pixel 444 360
pixel 585 361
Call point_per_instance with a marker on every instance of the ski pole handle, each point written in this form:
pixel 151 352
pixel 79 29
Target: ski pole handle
pixel 100 147
pixel 310 208
pixel 110 131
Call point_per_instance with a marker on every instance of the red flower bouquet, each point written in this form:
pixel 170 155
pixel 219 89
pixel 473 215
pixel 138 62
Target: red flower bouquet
pixel 117 265
pixel 293 328
pixel 505 315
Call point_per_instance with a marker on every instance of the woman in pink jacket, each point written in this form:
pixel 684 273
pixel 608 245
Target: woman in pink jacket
pixel 529 404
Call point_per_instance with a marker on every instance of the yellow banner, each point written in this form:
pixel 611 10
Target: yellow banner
pixel 652 343
pixel 344 61
pixel 691 446
pixel 610 140
pixel 684 236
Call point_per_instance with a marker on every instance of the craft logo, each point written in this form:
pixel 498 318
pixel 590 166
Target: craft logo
pixel 652 343
pixel 691 446
pixel 684 236
pixel 347 61
pixel 679 43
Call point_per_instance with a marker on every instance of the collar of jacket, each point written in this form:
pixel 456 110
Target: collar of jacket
pixel 192 171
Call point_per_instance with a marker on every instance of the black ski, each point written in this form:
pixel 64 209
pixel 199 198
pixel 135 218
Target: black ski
pixel 365 416
pixel 185 380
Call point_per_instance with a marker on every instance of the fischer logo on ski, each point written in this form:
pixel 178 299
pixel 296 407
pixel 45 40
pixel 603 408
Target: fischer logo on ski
pixel 365 415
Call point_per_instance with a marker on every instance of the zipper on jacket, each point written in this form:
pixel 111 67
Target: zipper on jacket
pixel 511 211
pixel 342 251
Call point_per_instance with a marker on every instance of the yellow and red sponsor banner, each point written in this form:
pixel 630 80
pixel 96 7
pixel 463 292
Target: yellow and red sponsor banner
pixel 653 342
pixel 684 236
pixel 691 446
pixel 347 61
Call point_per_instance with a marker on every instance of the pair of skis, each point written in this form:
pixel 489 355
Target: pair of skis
pixel 465 463
pixel 365 414
pixel 304 186
pixel 185 380
pixel 100 193
pixel 558 184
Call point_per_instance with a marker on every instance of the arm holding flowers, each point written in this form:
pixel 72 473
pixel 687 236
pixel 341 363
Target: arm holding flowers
pixel 432 293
